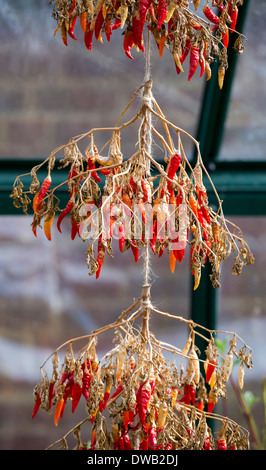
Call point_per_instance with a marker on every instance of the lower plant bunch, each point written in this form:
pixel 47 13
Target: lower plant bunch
pixel 138 399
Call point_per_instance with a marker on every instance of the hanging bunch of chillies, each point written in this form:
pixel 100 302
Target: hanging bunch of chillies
pixel 114 198
pixel 150 403
pixel 174 24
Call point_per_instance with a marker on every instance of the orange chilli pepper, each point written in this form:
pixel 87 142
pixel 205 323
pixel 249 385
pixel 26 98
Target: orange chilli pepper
pixel 58 409
pixel 48 224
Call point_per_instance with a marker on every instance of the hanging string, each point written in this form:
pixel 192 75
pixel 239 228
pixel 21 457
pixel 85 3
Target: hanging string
pixel 148 132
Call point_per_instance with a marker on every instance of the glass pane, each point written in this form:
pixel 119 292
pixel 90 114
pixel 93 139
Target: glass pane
pixel 47 298
pixel 50 93
pixel 245 136
pixel 242 302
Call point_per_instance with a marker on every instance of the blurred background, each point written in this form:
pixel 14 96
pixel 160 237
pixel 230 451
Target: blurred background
pixel 50 93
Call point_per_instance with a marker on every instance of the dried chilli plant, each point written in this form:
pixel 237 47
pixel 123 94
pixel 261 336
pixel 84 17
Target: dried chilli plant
pixel 176 25
pixel 134 199
pixel 134 397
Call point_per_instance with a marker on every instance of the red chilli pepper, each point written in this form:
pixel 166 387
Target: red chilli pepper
pixel 126 441
pixel 210 369
pixel 44 188
pixel 221 444
pixel 210 15
pixel 108 27
pixel 72 21
pixel 162 12
pixel 207 444
pixel 64 213
pixel 128 43
pixel 233 16
pixel 153 438
pixel 36 405
pixel 193 61
pixel 76 392
pixel 88 35
pixel 121 230
pixel 98 23
pixel 86 379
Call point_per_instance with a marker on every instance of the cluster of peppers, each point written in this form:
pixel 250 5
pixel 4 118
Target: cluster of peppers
pixel 171 22
pixel 150 405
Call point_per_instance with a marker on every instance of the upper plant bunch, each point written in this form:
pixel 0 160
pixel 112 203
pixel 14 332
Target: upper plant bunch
pixel 185 28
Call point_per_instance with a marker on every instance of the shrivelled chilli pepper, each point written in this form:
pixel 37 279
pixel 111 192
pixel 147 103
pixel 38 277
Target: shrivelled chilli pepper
pixel 184 55
pixel 64 33
pixel 91 166
pixel 143 396
pixel 193 61
pixel 100 257
pixel 128 42
pixel 44 188
pixel 200 404
pixel 212 400
pixel 86 378
pixel 210 15
pixel 118 390
pixel 121 230
pixel 64 213
pixel 88 35
pixel 107 391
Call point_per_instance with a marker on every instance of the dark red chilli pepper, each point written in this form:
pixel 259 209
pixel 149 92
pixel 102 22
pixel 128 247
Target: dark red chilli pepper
pixel 233 15
pixel 72 21
pixel 210 15
pixel 127 443
pixel 135 250
pixel 76 392
pixel 117 24
pixel 128 42
pixel 88 35
pixel 117 391
pixel 86 379
pixel 98 23
pixel 161 13
pixel 221 444
pixel 193 61
pixel 207 444
pixel 137 28
pixel 108 27
pixel 36 405
pixel 51 393
pixel 64 213
pixel 44 188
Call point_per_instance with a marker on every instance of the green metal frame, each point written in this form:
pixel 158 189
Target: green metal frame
pixel 240 185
